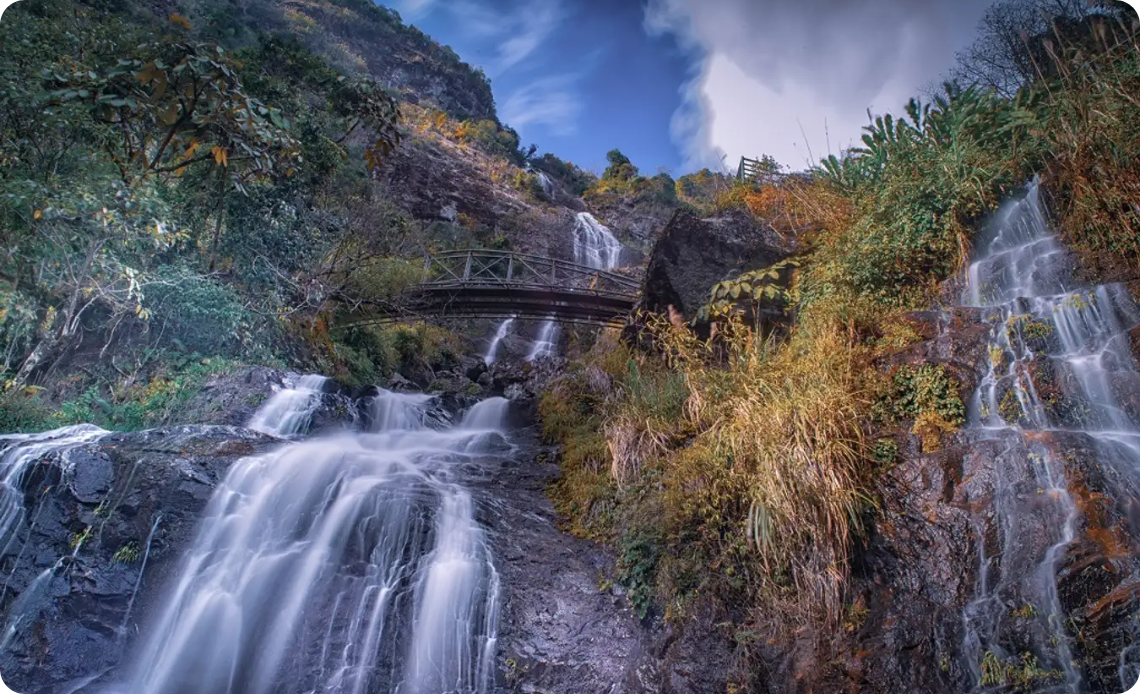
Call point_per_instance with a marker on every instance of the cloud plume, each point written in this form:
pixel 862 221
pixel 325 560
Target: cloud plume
pixel 784 78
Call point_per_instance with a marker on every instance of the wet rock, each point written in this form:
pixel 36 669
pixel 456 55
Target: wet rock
pixel 70 598
pixel 563 630
pixel 232 398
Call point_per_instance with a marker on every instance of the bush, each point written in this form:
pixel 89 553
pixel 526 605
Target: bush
pixel 200 314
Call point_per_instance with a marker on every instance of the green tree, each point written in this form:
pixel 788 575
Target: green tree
pixel 620 168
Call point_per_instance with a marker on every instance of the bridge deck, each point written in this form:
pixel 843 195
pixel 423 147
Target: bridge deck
pixel 477 283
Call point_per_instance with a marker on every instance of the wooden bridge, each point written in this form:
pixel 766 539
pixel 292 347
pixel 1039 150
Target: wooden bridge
pixel 481 283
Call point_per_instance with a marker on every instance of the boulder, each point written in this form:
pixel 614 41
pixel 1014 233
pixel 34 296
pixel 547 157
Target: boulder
pixel 693 254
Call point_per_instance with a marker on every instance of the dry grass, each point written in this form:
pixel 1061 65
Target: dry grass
pixel 1093 137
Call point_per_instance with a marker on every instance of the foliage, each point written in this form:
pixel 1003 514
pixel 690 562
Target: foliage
pixel 620 167
pixel 158 199
pixel 727 453
pixel 576 181
pixel 1022 675
pixel 748 289
pixel 493 139
pixel 127 554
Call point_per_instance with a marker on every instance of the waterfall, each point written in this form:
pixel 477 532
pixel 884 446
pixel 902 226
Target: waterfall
pixel 18 452
pixel 500 335
pixel 595 245
pixel 545 343
pixel 395 411
pixel 1041 325
pixel 345 564
pixel 546 183
pixel 290 410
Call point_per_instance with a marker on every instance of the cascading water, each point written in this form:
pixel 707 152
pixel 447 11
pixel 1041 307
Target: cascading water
pixel 399 411
pixel 546 183
pixel 500 335
pixel 18 452
pixel 344 564
pixel 1079 336
pixel 290 410
pixel 545 343
pixel 594 244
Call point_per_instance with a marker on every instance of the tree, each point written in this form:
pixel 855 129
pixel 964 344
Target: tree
pixel 1001 57
pixel 620 168
pixel 173 106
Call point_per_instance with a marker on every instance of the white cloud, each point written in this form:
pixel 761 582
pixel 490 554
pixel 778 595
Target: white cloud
pixel 411 9
pixel 528 27
pixel 551 102
pixel 515 31
pixel 770 73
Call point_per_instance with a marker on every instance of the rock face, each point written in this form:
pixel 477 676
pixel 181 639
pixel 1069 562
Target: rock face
pixel 637 222
pixel 693 254
pixel 107 524
pixel 565 629
pixel 443 183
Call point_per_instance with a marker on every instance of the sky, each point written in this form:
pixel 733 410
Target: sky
pixel 678 85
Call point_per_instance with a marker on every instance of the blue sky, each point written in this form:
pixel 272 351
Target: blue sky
pixel 681 84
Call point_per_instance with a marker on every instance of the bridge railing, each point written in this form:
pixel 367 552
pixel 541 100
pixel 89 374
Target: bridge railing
pixel 471 268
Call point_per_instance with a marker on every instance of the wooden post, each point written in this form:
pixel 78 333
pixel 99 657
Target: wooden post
pixel 510 267
pixel 467 268
pixel 427 267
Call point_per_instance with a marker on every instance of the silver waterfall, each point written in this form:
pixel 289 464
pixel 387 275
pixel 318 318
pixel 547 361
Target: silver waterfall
pixel 344 564
pixel 1060 374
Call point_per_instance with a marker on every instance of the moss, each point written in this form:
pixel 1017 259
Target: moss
pixel 128 553
pixel 1010 407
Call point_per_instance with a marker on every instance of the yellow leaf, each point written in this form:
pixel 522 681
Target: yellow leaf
pixel 191 149
pixel 180 21
pixel 219 155
pixel 148 73
pixel 37 214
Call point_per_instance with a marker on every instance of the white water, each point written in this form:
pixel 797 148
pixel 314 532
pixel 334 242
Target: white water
pixel 392 411
pixel 18 452
pixel 290 410
pixel 594 244
pixel 344 564
pixel 1023 273
pixel 546 183
pixel 500 335
pixel 545 344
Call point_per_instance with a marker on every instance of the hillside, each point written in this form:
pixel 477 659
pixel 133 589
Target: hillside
pixel 333 189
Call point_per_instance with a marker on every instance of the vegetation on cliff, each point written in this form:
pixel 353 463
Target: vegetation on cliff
pixel 180 193
pixel 744 467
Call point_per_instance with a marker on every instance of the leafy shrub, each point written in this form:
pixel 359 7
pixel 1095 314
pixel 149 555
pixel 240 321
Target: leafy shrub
pixel 22 411
pixel 203 315
pixel 573 179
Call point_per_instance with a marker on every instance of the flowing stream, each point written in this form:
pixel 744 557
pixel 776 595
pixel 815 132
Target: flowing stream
pixel 1057 353
pixel 545 344
pixel 290 410
pixel 349 563
pixel 500 335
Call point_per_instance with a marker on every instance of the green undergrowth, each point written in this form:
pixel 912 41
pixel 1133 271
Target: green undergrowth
pixel 115 404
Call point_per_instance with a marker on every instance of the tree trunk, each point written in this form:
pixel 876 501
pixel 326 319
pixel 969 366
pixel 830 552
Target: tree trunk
pixel 66 322
pixel 221 213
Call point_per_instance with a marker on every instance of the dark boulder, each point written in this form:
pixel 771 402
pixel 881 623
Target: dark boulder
pixel 693 254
